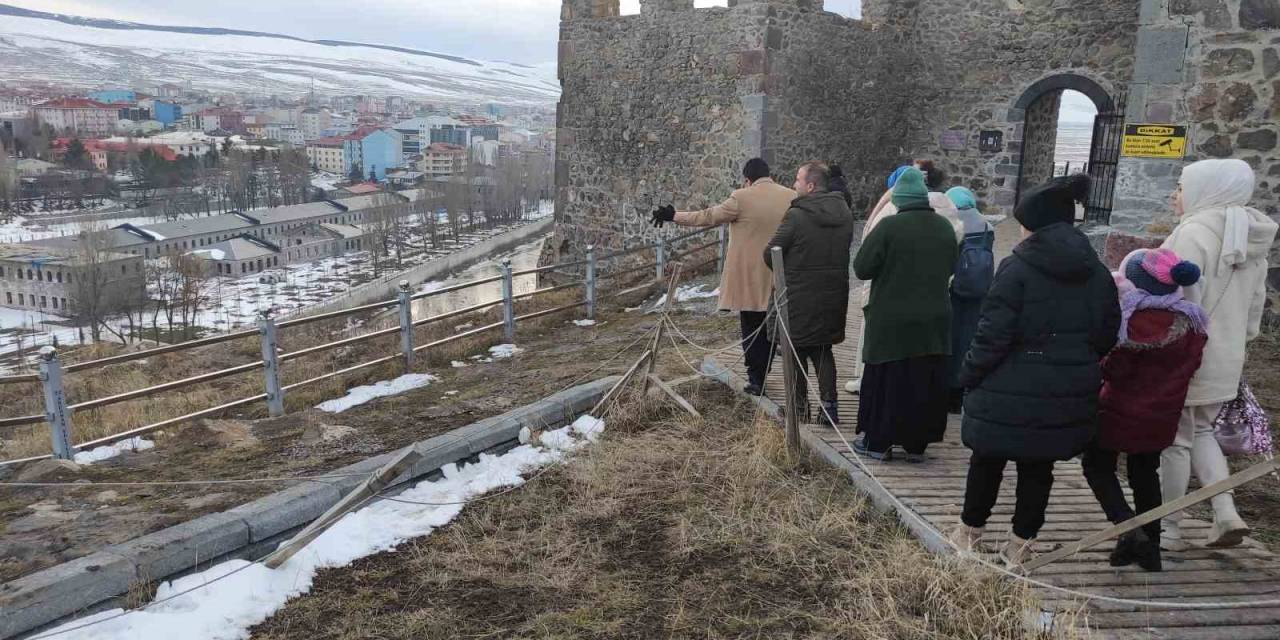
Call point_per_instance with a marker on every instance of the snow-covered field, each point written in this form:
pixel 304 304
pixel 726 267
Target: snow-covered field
pixel 46 50
pixel 226 600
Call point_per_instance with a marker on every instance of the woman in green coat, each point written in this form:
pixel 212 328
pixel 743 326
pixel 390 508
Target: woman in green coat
pixel 909 259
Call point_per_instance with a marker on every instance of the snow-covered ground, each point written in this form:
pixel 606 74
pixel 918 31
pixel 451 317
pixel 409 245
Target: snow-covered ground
pixel 27 330
pixel 226 600
pixel 357 396
pixel 51 51
pixel 98 454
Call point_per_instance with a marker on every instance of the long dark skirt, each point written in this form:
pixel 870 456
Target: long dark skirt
pixel 904 403
pixel 965 313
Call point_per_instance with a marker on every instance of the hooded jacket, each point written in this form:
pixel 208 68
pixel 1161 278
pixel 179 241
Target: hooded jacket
pixel 1145 381
pixel 1230 241
pixel 1033 369
pixel 815 236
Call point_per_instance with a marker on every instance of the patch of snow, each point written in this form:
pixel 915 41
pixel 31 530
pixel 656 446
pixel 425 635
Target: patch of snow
pixel 458 364
pixel 503 351
pixel 687 293
pixel 451 393
pixel 588 427
pixel 585 323
pixel 98 454
pixel 525 435
pixel 229 598
pixel 630 309
pixel 360 395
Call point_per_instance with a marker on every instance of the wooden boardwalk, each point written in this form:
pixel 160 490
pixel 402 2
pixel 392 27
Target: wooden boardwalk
pixel 935 492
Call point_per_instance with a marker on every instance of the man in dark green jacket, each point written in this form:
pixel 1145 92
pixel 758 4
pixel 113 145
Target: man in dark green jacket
pixel 909 259
pixel 815 236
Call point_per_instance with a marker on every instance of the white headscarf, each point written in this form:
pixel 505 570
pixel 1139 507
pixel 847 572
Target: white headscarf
pixel 1221 185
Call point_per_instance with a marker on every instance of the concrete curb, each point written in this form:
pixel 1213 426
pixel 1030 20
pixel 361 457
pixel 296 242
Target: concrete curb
pixel 879 496
pixel 47 596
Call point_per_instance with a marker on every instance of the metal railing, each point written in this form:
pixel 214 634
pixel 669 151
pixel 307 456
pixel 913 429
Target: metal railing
pixel 59 410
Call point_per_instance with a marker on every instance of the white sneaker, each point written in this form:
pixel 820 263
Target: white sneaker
pixel 853 386
pixel 966 539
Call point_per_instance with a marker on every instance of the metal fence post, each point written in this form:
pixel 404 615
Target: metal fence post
pixel 55 404
pixel 508 304
pixel 661 263
pixel 591 282
pixel 723 249
pixel 406 325
pixel 783 336
pixel 271 365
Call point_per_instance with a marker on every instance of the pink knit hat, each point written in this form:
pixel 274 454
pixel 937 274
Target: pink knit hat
pixel 1159 271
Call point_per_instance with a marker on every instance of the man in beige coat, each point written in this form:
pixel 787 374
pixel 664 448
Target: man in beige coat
pixel 753 214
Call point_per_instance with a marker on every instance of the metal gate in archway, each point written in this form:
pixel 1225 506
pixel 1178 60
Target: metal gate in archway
pixel 1104 161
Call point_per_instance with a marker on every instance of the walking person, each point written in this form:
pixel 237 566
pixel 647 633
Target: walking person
pixel 909 259
pixel 1033 373
pixel 1144 386
pixel 753 214
pixel 815 236
pixel 975 269
pixel 1230 241
pixel 884 209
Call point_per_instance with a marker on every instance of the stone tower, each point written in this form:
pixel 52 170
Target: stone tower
pixel 666 105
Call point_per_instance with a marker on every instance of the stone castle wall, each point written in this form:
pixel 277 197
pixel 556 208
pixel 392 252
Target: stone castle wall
pixel 666 105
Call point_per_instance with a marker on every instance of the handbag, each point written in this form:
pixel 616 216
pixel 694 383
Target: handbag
pixel 1242 427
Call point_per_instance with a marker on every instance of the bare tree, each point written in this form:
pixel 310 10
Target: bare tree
pixel 94 277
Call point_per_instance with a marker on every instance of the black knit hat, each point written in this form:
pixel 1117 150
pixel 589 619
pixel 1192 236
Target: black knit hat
pixel 1052 202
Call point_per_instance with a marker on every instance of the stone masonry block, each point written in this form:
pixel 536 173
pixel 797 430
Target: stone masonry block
pixel 270 515
pixel 1160 55
pixel 44 596
pixel 180 547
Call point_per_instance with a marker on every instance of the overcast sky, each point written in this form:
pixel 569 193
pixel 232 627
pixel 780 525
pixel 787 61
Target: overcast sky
pixel 515 30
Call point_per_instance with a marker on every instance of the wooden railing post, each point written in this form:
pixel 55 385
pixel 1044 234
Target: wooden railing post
pixel 793 404
pixel 55 404
pixel 508 304
pixel 660 265
pixel 591 282
pixel 406 325
pixel 271 365
pixel 723 249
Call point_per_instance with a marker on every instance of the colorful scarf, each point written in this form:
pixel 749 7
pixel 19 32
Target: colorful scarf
pixel 1133 299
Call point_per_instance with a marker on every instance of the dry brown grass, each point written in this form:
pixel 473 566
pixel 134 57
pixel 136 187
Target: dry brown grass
pixel 25 399
pixel 671 527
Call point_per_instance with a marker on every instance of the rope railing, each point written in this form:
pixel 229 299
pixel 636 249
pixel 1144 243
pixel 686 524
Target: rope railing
pixel 59 410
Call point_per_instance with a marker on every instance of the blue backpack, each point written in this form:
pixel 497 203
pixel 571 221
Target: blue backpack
pixel 976 266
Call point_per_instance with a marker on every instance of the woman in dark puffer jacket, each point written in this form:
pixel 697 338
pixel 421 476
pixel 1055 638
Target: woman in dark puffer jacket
pixel 1033 373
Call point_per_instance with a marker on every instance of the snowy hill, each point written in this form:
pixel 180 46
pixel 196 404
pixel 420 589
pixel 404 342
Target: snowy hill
pixel 89 52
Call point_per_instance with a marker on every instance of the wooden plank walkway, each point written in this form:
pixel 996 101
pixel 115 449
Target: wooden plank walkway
pixel 935 491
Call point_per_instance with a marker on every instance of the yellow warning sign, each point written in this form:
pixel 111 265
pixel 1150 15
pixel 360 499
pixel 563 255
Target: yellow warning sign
pixel 1154 141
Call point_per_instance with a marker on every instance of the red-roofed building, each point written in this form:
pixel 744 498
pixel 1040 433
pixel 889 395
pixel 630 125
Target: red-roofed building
pixel 440 158
pixel 329 154
pixel 77 115
pixel 100 150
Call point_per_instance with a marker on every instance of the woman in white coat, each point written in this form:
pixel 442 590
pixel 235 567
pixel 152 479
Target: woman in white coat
pixel 1230 241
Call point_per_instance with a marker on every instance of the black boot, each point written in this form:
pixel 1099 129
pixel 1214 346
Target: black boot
pixel 1129 548
pixel 830 414
pixel 1148 556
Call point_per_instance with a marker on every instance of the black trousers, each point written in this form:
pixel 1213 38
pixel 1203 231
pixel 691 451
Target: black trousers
pixel 1035 480
pixel 823 363
pixel 1144 478
pixel 756 348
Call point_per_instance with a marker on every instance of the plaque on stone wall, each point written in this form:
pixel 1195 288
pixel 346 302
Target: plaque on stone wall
pixel 953 140
pixel 991 141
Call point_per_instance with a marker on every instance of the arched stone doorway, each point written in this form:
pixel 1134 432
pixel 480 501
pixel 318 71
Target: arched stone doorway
pixel 1038 108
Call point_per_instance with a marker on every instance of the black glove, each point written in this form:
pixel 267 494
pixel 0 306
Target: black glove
pixel 663 215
